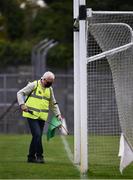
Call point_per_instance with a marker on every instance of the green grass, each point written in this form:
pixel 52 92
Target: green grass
pixel 103 159
pixel 13 156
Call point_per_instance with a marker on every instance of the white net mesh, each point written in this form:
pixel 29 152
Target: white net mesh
pixel 110 89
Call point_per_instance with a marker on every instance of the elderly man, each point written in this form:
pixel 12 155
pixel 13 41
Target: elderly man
pixel 35 101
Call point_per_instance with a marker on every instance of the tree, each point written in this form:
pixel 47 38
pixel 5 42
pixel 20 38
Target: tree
pixel 55 22
pixel 110 5
pixel 49 1
pixel 14 18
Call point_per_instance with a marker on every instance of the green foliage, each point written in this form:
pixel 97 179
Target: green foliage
pixel 35 24
pixel 55 22
pixel 3 33
pixel 24 28
pixel 15 24
pixel 60 56
pixel 111 5
pixel 14 53
pixel 49 1
pixel 14 18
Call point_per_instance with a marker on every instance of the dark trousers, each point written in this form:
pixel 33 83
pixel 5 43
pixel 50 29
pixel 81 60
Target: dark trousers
pixel 36 128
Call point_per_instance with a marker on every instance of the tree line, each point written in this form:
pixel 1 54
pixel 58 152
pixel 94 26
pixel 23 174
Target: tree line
pixel 22 28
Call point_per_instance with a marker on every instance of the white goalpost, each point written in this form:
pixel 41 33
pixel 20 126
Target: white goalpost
pixel 80 94
pixel 103 86
pixel 76 86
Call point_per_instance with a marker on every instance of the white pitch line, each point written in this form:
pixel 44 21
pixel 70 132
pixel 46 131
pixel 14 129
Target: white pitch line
pixel 69 152
pixel 70 157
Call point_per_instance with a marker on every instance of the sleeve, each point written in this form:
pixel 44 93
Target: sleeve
pixel 53 104
pixel 25 92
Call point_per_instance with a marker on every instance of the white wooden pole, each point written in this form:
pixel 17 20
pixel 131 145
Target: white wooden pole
pixel 83 86
pixel 76 88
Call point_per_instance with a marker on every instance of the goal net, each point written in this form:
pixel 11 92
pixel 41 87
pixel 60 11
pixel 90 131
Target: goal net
pixel 110 87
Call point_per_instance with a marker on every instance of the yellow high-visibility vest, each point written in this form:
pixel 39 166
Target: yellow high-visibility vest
pixel 38 103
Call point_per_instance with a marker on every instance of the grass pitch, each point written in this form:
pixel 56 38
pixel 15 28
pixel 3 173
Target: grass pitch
pixel 103 158
pixel 13 156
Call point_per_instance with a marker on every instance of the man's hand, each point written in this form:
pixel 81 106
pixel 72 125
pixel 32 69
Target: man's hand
pixel 24 107
pixel 59 117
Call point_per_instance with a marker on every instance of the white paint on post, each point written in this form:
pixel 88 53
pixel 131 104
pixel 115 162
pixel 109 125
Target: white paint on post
pixel 83 93
pixel 76 88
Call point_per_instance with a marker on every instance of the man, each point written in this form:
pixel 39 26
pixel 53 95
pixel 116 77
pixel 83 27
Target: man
pixel 35 101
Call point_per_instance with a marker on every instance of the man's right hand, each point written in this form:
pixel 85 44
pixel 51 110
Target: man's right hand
pixel 24 107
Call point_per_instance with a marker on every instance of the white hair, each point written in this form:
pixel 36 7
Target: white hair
pixel 47 75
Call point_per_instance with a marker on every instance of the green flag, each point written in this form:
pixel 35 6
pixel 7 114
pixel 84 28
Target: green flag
pixel 55 123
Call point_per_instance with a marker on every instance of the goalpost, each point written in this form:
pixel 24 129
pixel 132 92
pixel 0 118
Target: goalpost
pixel 103 90
pixel 80 79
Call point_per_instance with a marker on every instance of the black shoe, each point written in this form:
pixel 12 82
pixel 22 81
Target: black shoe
pixel 40 160
pixel 31 160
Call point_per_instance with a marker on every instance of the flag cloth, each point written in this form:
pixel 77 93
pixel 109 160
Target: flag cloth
pixel 63 128
pixel 125 152
pixel 55 123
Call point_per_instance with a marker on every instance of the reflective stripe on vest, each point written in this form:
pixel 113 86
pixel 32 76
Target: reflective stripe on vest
pixel 39 97
pixel 38 103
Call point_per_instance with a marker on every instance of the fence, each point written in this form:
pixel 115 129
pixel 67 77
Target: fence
pixel 63 89
pixel 12 122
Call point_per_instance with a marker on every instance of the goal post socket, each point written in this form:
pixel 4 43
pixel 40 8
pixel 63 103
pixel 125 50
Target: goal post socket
pixel 82 12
